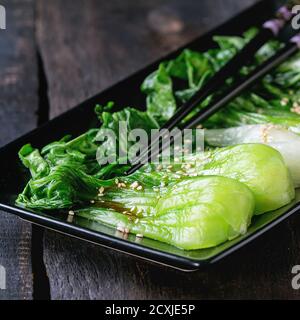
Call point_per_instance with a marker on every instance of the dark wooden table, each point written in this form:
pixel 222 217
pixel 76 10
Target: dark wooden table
pixel 53 55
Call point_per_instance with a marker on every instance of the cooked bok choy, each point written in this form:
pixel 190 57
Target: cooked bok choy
pixel 213 201
pixel 211 196
pixel 192 214
pixel 260 167
pixel 280 138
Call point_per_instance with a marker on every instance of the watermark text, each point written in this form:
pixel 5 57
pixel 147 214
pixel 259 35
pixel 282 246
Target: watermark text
pixel 2 18
pixel 296 278
pixel 2 278
pixel 127 146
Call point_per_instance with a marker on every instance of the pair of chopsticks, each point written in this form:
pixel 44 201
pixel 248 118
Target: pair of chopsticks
pixel 269 30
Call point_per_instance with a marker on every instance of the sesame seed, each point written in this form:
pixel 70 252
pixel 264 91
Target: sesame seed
pixel 70 218
pixel 134 185
pixel 284 101
pixel 296 110
pixel 101 190
pixel 122 185
pixel 265 132
pixel 193 175
pixel 121 229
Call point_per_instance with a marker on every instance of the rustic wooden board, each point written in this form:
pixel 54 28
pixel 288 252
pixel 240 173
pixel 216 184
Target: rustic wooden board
pixel 18 105
pixel 92 44
pixel 89 45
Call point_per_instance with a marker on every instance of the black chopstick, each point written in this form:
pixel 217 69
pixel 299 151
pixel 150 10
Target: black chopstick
pixel 232 92
pixel 269 30
pixel 291 48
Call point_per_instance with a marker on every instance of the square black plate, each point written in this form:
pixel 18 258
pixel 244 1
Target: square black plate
pixel 13 176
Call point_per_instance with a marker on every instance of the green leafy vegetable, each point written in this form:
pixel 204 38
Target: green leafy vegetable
pixel 193 214
pixel 211 196
pixel 161 103
pixel 32 160
pixel 281 139
pixel 260 167
pixel 62 188
pixel 78 152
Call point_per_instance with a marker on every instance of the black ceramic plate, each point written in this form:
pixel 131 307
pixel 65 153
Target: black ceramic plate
pixel 13 176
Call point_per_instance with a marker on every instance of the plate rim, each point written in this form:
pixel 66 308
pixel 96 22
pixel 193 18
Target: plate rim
pixel 100 238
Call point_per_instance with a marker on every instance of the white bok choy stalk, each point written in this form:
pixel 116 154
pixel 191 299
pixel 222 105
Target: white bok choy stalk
pixel 278 137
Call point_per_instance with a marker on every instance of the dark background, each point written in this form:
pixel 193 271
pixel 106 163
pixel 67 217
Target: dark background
pixel 53 55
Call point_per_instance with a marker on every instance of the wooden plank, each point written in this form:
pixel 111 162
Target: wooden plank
pixel 18 103
pixel 261 270
pixel 83 54
pixel 93 44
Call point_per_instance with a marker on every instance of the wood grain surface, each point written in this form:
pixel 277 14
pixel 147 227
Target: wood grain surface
pixel 118 39
pixel 18 106
pixel 85 46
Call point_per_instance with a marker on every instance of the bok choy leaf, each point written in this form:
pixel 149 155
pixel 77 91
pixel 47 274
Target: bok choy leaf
pixel 193 214
pixel 260 167
pixel 281 139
